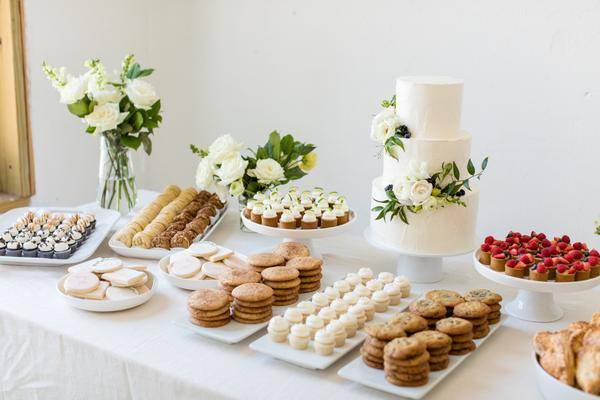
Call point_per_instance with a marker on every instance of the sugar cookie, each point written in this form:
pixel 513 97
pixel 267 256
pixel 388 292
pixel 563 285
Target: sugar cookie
pixel 81 282
pixel 220 255
pixel 125 277
pixel 120 293
pixel 97 294
pixel 185 267
pixel 107 265
pixel 214 270
pixel 203 249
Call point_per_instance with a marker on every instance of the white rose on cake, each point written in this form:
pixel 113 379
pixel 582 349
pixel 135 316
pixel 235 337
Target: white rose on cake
pixel 384 125
pixel 401 188
pixel 204 174
pixel 141 93
pixel 222 148
pixel 74 89
pixel 105 117
pixel 267 171
pixel 417 170
pixel 232 168
pixel 420 192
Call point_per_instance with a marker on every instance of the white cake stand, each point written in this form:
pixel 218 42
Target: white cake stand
pixel 305 236
pixel 535 299
pixel 417 267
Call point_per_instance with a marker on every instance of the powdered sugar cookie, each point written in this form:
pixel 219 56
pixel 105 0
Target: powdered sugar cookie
pixel 81 282
pixel 214 270
pixel 126 277
pixel 120 293
pixel 185 267
pixel 220 255
pixel 105 265
pixel 97 294
pixel 202 249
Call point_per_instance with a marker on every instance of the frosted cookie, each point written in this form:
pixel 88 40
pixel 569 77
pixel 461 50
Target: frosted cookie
pixel 97 294
pixel 78 283
pixel 293 316
pixel 137 267
pixel 105 265
pixel 120 293
pixel 125 277
pixel 87 266
pixel 202 249
pixel 220 255
pixel 185 267
pixel 338 330
pixel 214 270
pixel 235 261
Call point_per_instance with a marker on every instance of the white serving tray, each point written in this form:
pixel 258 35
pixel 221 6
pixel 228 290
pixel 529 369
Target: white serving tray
pixel 309 358
pixel 187 284
pixel 358 371
pixel 156 253
pixel 105 219
pixel 109 305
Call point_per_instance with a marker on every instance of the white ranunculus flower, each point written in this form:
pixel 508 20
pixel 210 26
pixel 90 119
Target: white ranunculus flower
pixel 103 94
pixel 401 188
pixel 236 188
pixel 384 125
pixel 74 89
pixel 420 192
pixel 232 168
pixel 141 93
pixel 105 117
pixel 267 171
pixel 222 148
pixel 204 175
pixel 417 170
pixel 430 204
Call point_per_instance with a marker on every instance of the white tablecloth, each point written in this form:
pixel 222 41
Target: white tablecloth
pixel 49 350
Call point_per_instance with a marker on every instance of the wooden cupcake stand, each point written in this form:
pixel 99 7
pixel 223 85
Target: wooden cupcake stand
pixel 417 267
pixel 535 299
pixel 304 236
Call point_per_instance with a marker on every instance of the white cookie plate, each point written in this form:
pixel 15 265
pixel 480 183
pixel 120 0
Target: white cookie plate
pixel 358 371
pixel 309 358
pixel 105 219
pixel 156 253
pixel 187 284
pixel 109 305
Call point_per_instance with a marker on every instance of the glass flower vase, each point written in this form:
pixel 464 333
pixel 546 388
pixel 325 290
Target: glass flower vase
pixel 116 180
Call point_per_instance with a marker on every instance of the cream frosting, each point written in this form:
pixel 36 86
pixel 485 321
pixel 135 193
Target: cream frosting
pixel 314 322
pixel 309 217
pixel 392 289
pixel 300 330
pixel 332 293
pixel 336 328
pixel 380 296
pixel 353 279
pixel 306 308
pixel 362 290
pixel 365 274
pixel 342 286
pixel 374 285
pixel 324 337
pixel 286 217
pixel 327 314
pixel 385 277
pixel 279 324
pixel 320 300
pixel 293 316
pixel 351 298
pixel 340 306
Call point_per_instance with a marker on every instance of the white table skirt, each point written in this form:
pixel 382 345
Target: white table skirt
pixel 50 350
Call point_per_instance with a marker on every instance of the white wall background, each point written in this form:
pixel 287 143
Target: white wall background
pixel 319 69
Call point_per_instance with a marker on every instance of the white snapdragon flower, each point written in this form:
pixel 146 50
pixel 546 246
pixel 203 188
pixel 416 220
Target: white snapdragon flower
pixel 384 125
pixel 420 191
pixel 236 188
pixel 105 117
pixel 74 90
pixel 232 168
pixel 103 93
pixel 417 170
pixel 222 148
pixel 141 93
pixel 267 171
pixel 204 175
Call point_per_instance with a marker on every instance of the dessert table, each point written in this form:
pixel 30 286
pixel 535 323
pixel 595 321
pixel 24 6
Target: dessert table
pixel 50 350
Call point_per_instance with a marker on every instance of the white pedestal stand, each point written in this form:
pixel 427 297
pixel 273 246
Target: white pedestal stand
pixel 304 236
pixel 418 268
pixel 535 299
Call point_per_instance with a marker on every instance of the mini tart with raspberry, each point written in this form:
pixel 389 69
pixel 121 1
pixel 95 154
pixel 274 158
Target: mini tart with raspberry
pixel 485 254
pixel 564 273
pixel 594 263
pixel 582 271
pixel 514 268
pixel 539 272
pixel 528 261
pixel 498 262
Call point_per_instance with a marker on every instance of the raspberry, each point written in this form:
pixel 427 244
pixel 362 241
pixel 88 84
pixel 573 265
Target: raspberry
pixel 561 268
pixel 572 271
pixel 542 269
pixel 524 258
pixel 513 252
pixel 510 240
pixel 577 245
pixel 578 266
pixel 546 252
pixel 496 250
pixel 489 240
pixel 553 250
pixel 548 262
pixel 593 260
pixel 485 248
pixel 576 254
pixel 562 246
pixel 525 238
pixel 594 253
pixel 566 239
pixel 570 257
pixel 541 236
pixel 562 260
pixel 512 263
pixel 503 245
pixel 499 256
pixel 546 243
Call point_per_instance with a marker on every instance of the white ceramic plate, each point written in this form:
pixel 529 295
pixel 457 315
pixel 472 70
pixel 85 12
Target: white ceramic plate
pixel 534 286
pixel 105 219
pixel 188 284
pixel 309 358
pixel 358 371
pixel 553 389
pixel 157 253
pixel 109 305
pixel 299 233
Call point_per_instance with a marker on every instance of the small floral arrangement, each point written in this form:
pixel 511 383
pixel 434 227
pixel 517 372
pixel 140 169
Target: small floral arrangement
pixel 418 191
pixel 387 130
pixel 597 223
pixel 224 170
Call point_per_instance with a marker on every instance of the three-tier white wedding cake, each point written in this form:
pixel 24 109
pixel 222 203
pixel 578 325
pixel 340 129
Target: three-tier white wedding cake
pixel 433 215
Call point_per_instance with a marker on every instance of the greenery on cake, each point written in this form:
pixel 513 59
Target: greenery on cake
pixel 387 130
pixel 418 191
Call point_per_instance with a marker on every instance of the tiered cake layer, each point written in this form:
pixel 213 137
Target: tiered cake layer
pixel 432 151
pixel 447 230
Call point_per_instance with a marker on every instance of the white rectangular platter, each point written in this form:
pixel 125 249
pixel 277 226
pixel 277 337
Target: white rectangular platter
pixel 358 371
pixel 105 219
pixel 311 360
pixel 157 253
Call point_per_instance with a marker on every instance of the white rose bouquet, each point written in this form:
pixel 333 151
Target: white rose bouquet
pixel 125 110
pixel 419 191
pixel 224 170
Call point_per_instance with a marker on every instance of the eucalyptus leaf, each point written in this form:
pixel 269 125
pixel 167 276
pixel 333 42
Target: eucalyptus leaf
pixel 455 170
pixel 470 167
pixel 484 163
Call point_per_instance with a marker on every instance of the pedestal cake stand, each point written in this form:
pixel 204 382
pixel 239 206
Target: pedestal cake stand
pixel 305 236
pixel 535 299
pixel 417 267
